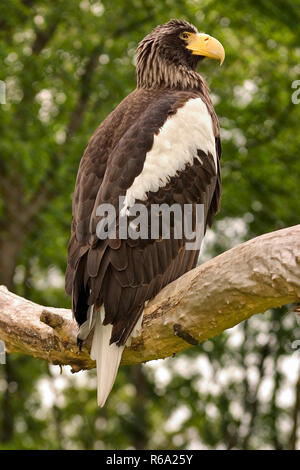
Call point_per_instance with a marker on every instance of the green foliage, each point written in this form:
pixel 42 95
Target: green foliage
pixel 66 65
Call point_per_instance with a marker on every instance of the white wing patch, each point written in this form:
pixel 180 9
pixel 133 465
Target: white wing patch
pixel 173 148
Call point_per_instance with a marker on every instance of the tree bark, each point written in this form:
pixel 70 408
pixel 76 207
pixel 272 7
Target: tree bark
pixel 251 278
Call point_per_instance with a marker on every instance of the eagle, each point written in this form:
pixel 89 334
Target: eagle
pixel 160 145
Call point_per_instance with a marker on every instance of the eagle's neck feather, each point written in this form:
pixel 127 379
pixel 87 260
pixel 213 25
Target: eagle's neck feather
pixel 155 72
pixel 169 76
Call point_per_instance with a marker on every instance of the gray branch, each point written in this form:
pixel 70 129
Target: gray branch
pixel 251 278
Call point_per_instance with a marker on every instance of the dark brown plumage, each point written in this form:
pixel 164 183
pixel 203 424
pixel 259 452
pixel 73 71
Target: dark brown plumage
pixel 123 274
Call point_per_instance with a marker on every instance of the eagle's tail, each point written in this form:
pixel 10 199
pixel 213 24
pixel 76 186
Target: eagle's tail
pixel 106 355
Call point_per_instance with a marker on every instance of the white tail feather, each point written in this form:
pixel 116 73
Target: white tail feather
pixel 107 356
pixel 88 325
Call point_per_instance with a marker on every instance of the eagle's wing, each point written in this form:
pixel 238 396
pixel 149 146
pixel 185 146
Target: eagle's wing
pixel 106 148
pixel 165 148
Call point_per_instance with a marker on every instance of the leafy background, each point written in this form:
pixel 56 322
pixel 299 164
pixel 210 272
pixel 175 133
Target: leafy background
pixel 66 65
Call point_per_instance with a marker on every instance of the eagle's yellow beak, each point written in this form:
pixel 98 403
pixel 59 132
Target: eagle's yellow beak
pixel 203 44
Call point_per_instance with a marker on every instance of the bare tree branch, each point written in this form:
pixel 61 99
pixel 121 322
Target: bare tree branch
pixel 251 278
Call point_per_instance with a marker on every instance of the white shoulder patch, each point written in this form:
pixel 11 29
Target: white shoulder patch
pixel 173 148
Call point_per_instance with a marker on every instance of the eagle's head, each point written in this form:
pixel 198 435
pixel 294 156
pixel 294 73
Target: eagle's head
pixel 168 56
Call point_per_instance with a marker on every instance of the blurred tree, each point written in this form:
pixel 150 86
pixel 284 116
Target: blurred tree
pixel 66 65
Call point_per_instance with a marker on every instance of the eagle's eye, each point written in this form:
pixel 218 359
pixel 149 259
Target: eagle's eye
pixel 184 35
